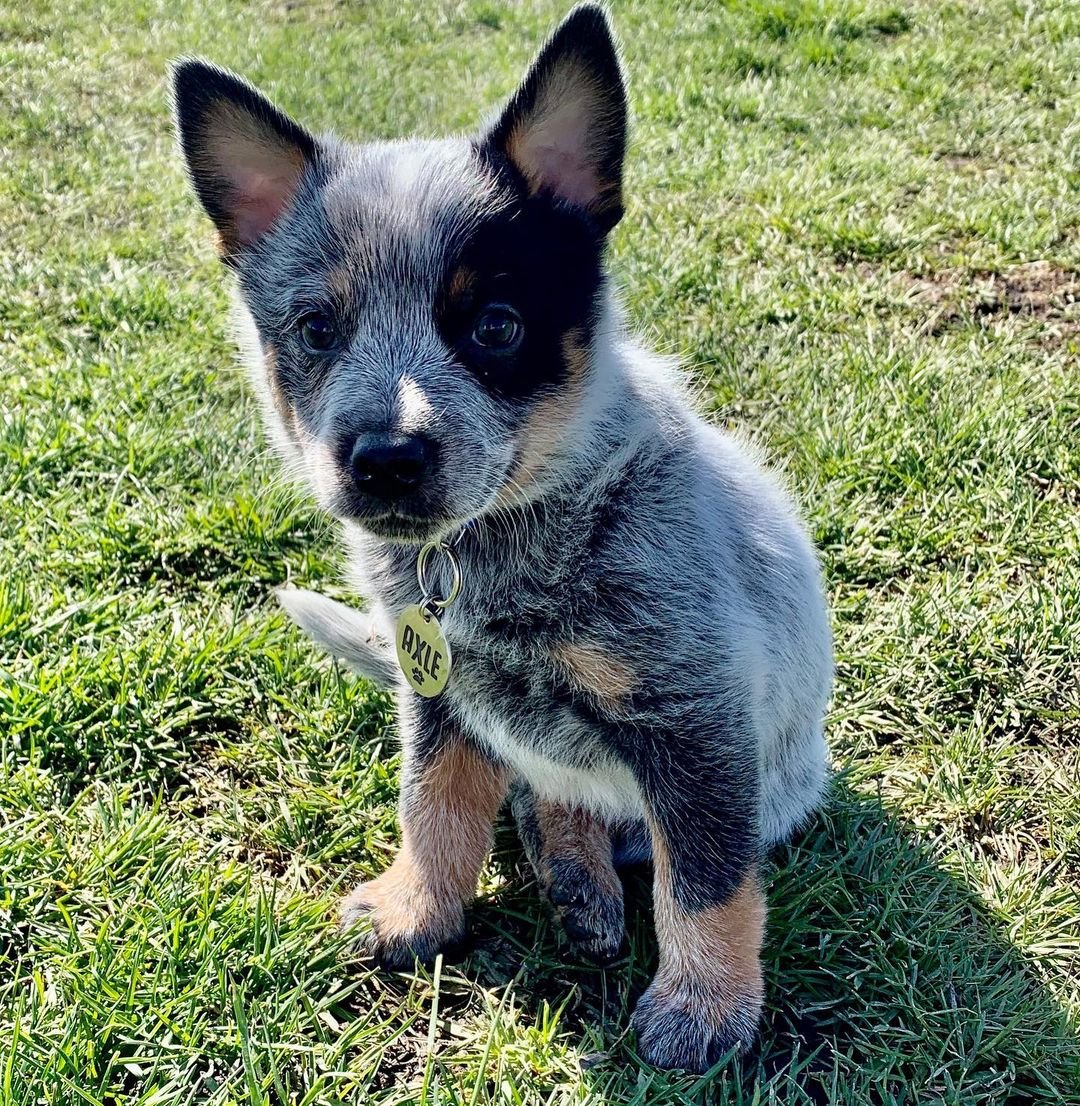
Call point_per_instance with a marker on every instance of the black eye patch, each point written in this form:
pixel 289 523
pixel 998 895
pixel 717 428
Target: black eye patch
pixel 532 265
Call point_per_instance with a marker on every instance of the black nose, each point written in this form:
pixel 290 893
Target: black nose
pixel 390 466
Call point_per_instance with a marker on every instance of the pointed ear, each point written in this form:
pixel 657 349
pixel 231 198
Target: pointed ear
pixel 245 158
pixel 564 129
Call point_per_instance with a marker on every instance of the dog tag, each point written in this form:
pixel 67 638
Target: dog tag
pixel 423 652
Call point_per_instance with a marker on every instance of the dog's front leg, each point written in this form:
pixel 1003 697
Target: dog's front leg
pixel 706 997
pixel 450 795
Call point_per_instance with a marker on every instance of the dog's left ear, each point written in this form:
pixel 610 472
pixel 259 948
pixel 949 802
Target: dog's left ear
pixel 564 130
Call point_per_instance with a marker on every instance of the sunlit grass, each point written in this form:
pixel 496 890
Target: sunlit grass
pixel 835 213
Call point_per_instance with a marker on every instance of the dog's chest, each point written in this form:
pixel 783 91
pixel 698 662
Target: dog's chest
pixel 559 755
pixel 505 692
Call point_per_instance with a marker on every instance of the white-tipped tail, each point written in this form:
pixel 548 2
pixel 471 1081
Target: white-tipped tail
pixel 346 633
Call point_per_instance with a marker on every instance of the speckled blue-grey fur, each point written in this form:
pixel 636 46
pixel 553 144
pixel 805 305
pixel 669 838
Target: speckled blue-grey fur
pixel 641 639
pixel 663 540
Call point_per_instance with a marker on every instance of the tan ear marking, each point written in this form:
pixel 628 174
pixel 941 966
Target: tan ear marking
pixel 261 170
pixel 565 130
pixel 542 147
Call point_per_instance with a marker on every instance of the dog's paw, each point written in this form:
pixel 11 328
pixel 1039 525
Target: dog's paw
pixel 691 1028
pixel 590 910
pixel 404 921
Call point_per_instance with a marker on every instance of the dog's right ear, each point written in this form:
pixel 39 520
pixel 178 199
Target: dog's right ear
pixel 246 159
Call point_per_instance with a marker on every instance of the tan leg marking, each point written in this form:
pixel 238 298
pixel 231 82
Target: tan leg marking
pixel 710 957
pixel 594 670
pixel 579 878
pixel 574 834
pixel 446 829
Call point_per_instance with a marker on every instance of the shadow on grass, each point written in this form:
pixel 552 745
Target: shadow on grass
pixel 888 982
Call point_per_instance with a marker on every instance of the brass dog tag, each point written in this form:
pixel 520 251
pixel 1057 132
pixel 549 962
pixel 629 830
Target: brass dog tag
pixel 423 652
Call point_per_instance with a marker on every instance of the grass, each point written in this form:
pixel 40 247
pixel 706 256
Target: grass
pixel 859 223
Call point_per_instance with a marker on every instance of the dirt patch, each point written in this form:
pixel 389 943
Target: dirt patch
pixel 1054 488
pixel 401 1063
pixel 1036 289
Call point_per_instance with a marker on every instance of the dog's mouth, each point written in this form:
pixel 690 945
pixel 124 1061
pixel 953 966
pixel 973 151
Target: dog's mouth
pixel 405 529
pixel 415 520
pixel 406 523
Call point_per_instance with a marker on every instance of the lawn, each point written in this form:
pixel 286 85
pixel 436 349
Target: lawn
pixel 859 224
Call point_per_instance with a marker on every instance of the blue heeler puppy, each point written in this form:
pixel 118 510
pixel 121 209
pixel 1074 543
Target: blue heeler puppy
pixel 619 620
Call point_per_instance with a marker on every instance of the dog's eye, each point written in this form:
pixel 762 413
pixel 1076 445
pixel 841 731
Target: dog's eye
pixel 498 328
pixel 318 332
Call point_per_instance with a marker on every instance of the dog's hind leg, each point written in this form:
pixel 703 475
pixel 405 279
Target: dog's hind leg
pixel 571 852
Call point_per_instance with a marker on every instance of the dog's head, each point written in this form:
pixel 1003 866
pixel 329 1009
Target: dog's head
pixel 424 310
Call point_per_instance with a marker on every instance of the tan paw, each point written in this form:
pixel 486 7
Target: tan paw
pixel 591 910
pixel 406 921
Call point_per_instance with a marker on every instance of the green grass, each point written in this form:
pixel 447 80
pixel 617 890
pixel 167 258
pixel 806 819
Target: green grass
pixel 835 211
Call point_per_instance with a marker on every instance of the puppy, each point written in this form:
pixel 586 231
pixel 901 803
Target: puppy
pixel 617 618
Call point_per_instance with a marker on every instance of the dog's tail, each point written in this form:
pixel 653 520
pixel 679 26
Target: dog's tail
pixel 346 633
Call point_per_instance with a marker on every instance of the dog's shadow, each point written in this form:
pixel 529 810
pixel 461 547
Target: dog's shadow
pixel 888 981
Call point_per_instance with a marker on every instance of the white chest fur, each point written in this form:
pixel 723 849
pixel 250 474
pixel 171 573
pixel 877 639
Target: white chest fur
pixel 603 785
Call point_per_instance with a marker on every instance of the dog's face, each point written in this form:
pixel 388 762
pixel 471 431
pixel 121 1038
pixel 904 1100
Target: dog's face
pixel 424 310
